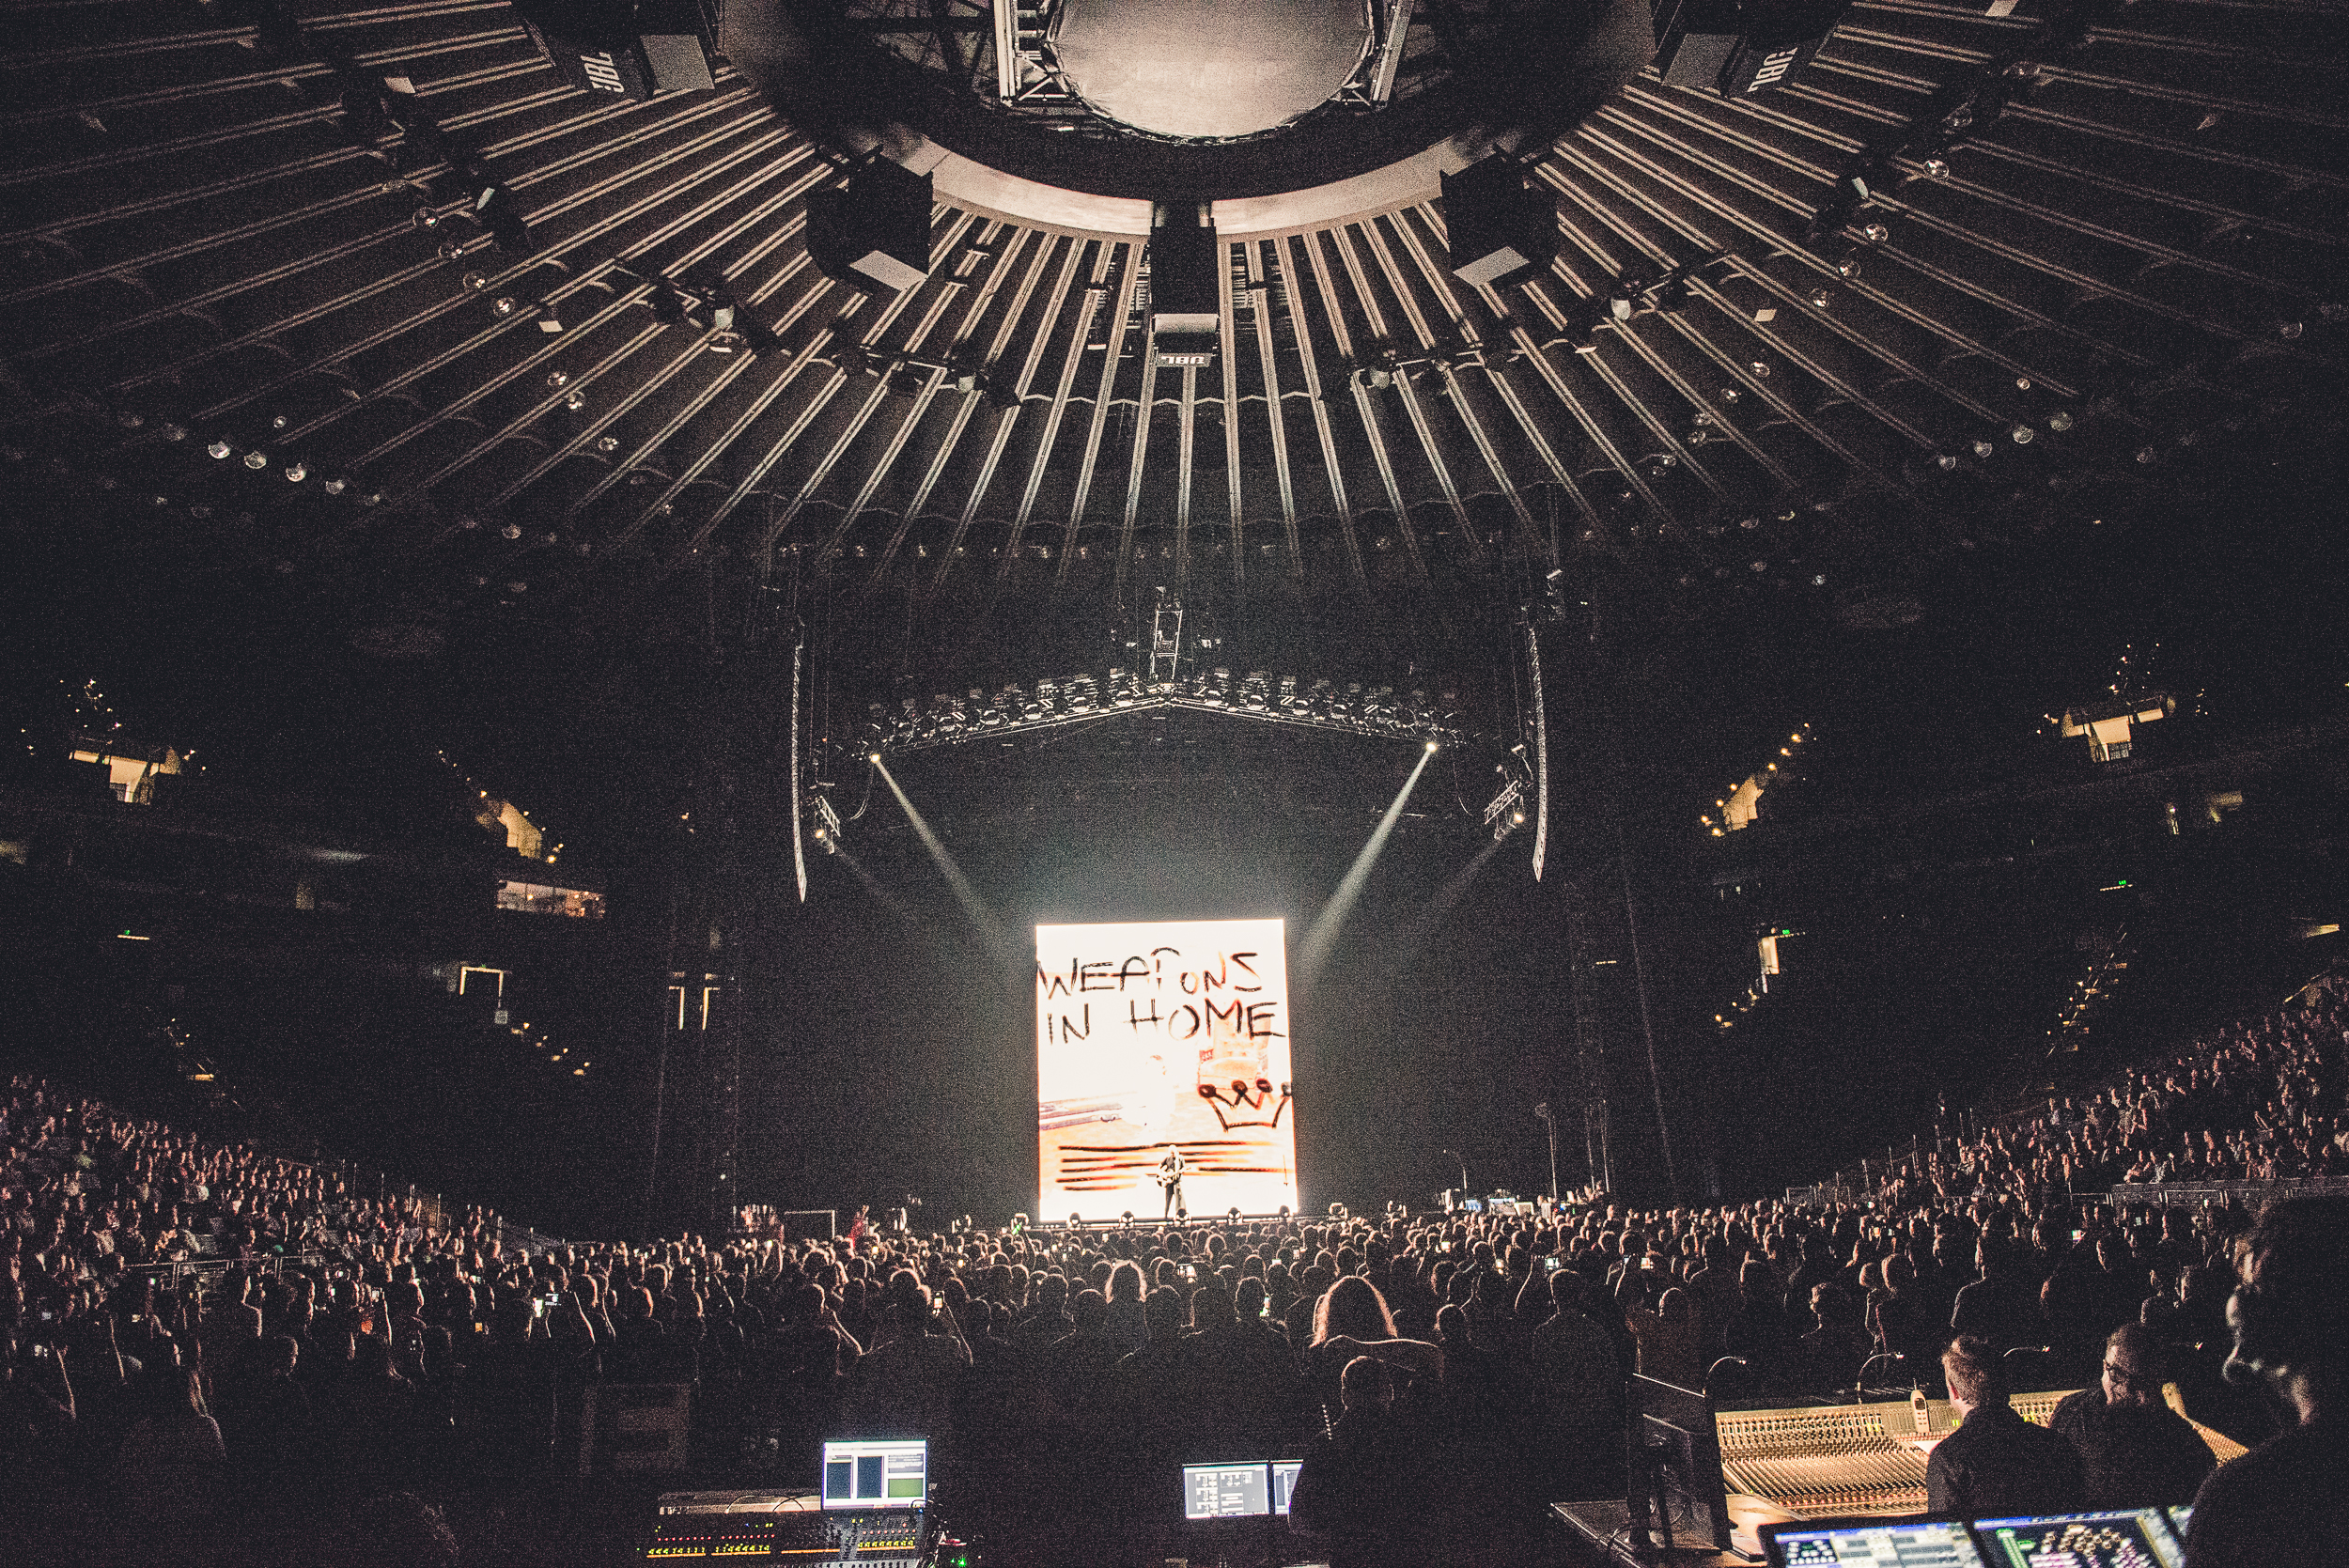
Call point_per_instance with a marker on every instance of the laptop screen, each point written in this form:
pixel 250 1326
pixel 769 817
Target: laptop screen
pixel 1227 1491
pixel 2122 1538
pixel 869 1472
pixel 1872 1543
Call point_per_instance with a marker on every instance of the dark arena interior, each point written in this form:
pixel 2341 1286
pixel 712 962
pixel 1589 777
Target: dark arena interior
pixel 1102 782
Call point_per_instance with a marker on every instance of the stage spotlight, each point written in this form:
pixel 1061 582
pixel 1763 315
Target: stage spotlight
pixel 632 51
pixel 669 305
pixel 732 328
pixel 828 831
pixel 872 756
pixel 1431 747
pixel 501 213
pixel 256 460
pixel 219 448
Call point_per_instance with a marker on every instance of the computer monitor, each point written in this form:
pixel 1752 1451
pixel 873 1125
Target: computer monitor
pixel 876 1472
pixel 1870 1543
pixel 1234 1491
pixel 1677 1425
pixel 1284 1483
pixel 2117 1538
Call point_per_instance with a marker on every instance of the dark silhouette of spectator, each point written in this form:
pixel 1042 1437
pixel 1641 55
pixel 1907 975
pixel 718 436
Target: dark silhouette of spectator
pixel 1239 1372
pixel 906 1381
pixel 1350 1320
pixel 373 1426
pixel 1903 1328
pixel 1997 1462
pixel 1998 1308
pixel 170 1465
pixel 1362 1488
pixel 266 1426
pixel 1759 1331
pixel 1833 1354
pixel 2137 1450
pixel 1126 1294
pixel 2286 1503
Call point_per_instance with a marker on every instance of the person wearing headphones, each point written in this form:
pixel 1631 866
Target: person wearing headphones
pixel 2286 1503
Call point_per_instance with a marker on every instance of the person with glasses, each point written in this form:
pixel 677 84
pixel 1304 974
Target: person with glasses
pixel 2285 1504
pixel 2138 1450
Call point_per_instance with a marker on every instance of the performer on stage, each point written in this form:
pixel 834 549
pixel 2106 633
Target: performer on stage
pixel 1170 1169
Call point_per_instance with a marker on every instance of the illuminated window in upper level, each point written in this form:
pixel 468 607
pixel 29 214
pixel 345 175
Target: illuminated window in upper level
pixel 540 899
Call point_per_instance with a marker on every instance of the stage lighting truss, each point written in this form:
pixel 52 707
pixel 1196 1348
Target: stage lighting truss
pixel 826 830
pixel 1505 812
pixel 1352 708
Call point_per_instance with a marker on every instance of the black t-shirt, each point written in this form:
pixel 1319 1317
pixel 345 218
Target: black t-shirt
pixel 2136 1455
pixel 2285 1504
pixel 1998 1463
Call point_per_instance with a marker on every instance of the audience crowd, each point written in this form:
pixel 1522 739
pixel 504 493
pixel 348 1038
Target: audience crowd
pixel 2256 1102
pixel 198 1332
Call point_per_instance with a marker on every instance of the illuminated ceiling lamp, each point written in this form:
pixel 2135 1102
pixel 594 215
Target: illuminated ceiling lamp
pixel 1497 227
pixel 1186 313
pixel 874 232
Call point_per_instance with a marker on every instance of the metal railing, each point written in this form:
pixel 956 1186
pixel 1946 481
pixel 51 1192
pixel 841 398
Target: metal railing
pixel 2247 1194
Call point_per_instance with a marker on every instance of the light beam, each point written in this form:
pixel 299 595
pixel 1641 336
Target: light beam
pixel 1441 906
pixel 972 905
pixel 1316 948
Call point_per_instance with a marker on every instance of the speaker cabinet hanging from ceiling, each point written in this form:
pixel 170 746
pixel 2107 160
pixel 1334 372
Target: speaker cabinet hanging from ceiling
pixel 874 231
pixel 1494 226
pixel 629 48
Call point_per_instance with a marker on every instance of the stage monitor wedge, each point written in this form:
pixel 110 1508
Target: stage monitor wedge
pixel 874 232
pixel 1497 227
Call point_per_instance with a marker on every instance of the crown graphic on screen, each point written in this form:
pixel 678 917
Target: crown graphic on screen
pixel 1242 1106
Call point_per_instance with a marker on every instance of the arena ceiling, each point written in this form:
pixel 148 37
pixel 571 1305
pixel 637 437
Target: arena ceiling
pixel 369 296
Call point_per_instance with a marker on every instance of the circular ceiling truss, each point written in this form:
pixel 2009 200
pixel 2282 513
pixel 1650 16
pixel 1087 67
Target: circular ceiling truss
pixel 370 289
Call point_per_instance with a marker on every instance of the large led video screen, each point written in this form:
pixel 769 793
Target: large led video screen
pixel 1169 1035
